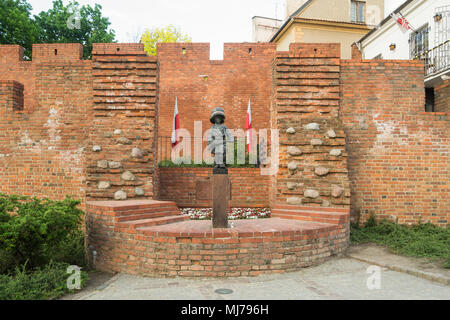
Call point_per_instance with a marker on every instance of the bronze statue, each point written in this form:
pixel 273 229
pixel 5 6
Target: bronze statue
pixel 218 137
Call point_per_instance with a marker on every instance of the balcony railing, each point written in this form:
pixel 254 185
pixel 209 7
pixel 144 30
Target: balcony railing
pixel 437 60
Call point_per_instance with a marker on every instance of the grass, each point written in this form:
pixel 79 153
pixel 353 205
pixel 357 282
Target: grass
pixel 422 240
pixel 46 283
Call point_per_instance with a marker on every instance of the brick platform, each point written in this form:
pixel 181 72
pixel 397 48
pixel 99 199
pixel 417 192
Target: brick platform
pixel 194 249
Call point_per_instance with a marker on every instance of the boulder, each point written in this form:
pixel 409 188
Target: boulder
pixel 312 126
pixel 321 171
pixel 331 133
pixel 294 151
pixel 120 195
pixel 313 194
pixel 139 191
pixel 104 185
pixel 114 164
pixel 335 152
pixel 290 131
pixel 128 176
pixel 336 191
pixel 103 164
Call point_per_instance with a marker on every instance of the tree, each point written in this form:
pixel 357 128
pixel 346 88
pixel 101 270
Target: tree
pixel 168 34
pixel 16 24
pixel 74 24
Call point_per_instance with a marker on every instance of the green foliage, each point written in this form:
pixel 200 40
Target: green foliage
pixel 93 26
pixel 422 240
pixel 37 231
pixel 16 24
pixel 49 282
pixel 235 164
pixel 372 221
pixel 168 34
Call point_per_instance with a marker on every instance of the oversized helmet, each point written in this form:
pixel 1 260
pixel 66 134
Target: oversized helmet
pixel 217 112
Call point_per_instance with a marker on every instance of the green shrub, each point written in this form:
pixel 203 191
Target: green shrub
pixel 34 232
pixel 422 240
pixel 49 282
pixel 171 164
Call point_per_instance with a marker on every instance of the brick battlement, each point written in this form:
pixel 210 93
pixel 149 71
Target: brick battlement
pixel 196 52
pixel 312 50
pixel 57 52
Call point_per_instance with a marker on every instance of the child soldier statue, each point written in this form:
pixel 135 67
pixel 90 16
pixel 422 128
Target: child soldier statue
pixel 218 137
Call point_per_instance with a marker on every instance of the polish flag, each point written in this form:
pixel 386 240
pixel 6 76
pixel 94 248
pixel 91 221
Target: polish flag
pixel 401 20
pixel 176 125
pixel 248 127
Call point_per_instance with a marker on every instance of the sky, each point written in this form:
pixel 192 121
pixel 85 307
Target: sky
pixel 214 21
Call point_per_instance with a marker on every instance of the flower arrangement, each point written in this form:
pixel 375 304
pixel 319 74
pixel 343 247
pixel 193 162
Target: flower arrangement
pixel 235 213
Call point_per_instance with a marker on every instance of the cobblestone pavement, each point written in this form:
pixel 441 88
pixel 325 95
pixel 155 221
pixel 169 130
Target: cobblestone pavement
pixel 339 278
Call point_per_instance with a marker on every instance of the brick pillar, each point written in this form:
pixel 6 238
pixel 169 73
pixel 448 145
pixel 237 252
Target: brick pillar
pixel 313 166
pixel 122 157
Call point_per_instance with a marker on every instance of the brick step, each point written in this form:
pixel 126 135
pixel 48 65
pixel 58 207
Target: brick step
pixel 335 220
pixel 314 214
pixel 140 211
pixel 154 221
pixel 310 213
pixel 150 215
pixel 321 209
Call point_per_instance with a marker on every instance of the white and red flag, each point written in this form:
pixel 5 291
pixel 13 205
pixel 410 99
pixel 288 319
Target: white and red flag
pixel 401 20
pixel 176 125
pixel 248 127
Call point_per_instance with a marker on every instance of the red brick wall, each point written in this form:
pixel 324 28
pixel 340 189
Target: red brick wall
pixel 305 110
pixel 398 156
pixel 42 144
pixel 249 187
pixel 203 252
pixel 442 97
pixel 201 84
pixel 122 138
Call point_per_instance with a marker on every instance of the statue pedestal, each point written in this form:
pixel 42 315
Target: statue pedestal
pixel 221 197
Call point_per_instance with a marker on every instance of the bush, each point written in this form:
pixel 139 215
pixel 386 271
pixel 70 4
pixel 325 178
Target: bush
pixel 422 240
pixel 49 282
pixel 34 232
pixel 171 164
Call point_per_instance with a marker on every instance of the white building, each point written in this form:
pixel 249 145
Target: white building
pixel 427 39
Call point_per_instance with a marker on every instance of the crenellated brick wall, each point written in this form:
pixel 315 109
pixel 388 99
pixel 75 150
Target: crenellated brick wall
pixel 398 155
pixel 313 168
pixel 44 126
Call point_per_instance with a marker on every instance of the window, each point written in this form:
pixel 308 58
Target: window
pixel 357 11
pixel 418 42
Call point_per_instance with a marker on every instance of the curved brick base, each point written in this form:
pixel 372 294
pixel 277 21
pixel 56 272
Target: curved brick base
pixel 194 249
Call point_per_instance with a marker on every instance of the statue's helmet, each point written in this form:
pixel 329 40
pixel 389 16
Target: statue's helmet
pixel 217 112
